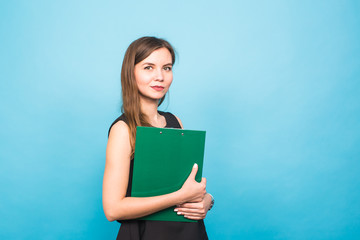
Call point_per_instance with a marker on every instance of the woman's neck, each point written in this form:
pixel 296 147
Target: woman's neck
pixel 149 108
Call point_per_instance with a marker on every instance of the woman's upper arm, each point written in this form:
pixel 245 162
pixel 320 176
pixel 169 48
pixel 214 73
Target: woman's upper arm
pixel 117 167
pixel 179 122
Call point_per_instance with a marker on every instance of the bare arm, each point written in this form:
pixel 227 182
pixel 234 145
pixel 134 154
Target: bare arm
pixel 116 205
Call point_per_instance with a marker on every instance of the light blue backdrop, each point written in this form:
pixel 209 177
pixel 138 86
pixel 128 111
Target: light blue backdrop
pixel 276 84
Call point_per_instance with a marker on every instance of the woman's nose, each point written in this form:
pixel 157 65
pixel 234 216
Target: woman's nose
pixel 159 75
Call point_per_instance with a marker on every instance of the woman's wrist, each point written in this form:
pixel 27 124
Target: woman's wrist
pixel 180 196
pixel 212 201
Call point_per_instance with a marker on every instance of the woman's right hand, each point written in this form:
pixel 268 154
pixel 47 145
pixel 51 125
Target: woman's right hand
pixel 192 190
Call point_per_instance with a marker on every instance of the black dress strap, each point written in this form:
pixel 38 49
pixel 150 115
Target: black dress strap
pixel 171 120
pixel 121 118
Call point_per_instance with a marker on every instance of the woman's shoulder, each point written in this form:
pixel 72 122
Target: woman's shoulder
pixel 120 123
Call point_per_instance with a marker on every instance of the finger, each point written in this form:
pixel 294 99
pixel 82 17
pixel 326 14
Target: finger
pixel 195 217
pixel 194 171
pixel 203 181
pixel 185 211
pixel 190 205
pixel 192 214
pixel 199 204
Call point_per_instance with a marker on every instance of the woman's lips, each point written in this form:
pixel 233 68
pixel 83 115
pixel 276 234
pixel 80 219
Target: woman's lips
pixel 157 88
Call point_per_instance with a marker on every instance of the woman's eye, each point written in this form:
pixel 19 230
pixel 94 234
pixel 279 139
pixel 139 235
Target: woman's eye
pixel 167 68
pixel 148 67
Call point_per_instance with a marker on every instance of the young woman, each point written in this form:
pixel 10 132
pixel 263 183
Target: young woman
pixel 146 76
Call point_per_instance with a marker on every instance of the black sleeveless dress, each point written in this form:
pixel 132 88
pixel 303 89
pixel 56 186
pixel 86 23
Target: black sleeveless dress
pixel 158 230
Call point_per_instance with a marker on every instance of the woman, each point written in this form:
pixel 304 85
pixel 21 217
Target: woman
pixel 146 76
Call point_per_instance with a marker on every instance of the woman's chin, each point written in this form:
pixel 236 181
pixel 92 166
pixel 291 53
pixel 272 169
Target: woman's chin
pixel 156 98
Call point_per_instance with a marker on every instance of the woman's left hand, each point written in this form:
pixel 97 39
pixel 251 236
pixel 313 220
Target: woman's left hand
pixel 195 210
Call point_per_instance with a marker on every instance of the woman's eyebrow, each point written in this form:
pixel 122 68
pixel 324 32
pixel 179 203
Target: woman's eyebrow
pixel 149 63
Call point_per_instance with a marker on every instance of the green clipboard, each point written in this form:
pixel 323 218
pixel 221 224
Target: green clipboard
pixel 163 160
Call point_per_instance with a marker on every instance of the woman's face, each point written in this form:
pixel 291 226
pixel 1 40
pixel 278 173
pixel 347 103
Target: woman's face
pixel 153 75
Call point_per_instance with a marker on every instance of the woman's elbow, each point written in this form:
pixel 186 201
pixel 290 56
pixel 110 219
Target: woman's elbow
pixel 109 216
pixel 112 215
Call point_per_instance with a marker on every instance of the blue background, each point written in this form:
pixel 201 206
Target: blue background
pixel 274 83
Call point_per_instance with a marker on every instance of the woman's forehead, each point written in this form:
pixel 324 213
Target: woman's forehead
pixel 161 55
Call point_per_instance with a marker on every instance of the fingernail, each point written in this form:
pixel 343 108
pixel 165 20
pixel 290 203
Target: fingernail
pixel 195 165
pixel 179 213
pixel 176 210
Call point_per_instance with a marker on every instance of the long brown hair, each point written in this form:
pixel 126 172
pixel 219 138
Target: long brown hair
pixel 136 52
